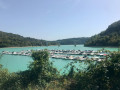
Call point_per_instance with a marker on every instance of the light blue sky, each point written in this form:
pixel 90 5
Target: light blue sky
pixel 57 19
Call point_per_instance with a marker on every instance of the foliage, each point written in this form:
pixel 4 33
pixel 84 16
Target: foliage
pixel 100 76
pixel 109 37
pixel 41 75
pixel 71 72
pixel 72 41
pixel 14 40
pixel 8 80
pixel 40 72
pixel 42 69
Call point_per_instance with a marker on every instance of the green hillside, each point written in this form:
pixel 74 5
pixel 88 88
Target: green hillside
pixel 109 37
pixel 14 40
pixel 72 41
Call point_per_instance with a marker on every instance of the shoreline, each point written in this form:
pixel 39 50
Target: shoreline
pixel 26 46
pixel 103 46
pixel 57 45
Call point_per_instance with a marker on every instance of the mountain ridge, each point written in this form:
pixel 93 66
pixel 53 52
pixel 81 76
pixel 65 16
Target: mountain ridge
pixel 73 41
pixel 109 37
pixel 15 40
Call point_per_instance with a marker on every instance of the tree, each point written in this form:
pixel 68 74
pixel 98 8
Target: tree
pixel 100 76
pixel 41 69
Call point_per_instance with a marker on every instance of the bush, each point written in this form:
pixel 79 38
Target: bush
pixel 40 70
pixel 101 76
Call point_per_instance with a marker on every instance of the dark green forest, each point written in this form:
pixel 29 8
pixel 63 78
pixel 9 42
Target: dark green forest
pixel 14 40
pixel 109 37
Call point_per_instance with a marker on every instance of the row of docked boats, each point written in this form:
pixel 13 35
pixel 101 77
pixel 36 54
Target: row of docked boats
pixel 22 53
pixel 78 55
pixel 82 58
pixel 66 54
pixel 79 52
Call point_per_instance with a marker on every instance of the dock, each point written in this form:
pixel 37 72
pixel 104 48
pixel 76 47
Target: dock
pixel 66 54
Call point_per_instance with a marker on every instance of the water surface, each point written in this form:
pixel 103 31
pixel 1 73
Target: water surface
pixel 20 63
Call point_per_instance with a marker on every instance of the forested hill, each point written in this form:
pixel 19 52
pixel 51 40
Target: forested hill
pixel 14 40
pixel 72 41
pixel 109 37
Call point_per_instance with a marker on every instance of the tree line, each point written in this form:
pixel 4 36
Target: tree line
pixel 73 41
pixel 14 40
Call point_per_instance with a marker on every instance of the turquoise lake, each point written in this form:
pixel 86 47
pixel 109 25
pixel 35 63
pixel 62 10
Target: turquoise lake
pixel 20 63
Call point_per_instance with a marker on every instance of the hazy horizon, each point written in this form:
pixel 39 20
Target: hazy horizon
pixel 57 19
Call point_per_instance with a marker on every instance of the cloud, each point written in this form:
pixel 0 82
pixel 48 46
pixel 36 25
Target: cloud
pixel 2 5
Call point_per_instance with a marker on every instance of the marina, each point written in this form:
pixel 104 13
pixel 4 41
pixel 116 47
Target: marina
pixel 66 54
pixel 18 59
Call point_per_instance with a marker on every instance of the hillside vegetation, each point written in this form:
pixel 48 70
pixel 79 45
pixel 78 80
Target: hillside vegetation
pixel 72 41
pixel 109 37
pixel 14 40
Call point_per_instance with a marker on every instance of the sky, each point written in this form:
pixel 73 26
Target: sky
pixel 57 19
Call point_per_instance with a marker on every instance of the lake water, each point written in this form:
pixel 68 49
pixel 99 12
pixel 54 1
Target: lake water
pixel 20 63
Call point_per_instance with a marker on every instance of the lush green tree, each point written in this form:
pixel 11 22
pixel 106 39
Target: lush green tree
pixel 40 70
